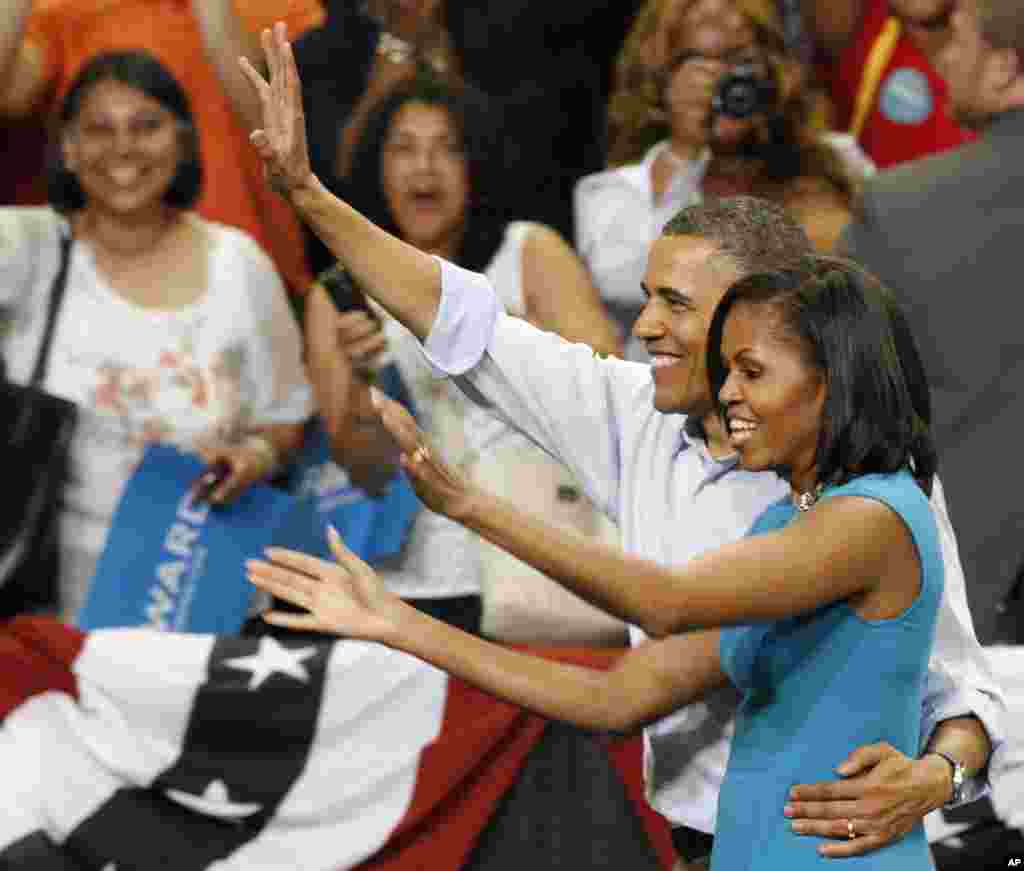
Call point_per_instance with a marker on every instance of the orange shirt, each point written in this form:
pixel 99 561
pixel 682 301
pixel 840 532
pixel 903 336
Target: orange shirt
pixel 71 32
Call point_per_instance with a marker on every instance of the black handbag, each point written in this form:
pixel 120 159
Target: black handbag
pixel 36 430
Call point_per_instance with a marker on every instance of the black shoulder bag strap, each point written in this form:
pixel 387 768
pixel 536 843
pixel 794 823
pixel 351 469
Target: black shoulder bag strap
pixel 60 283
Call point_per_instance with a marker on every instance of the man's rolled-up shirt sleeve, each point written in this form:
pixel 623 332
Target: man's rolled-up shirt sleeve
pixel 562 396
pixel 465 321
pixel 944 700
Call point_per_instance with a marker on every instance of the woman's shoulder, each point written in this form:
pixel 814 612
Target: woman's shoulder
pixel 535 236
pixel 232 239
pixel 239 262
pixel 901 482
pixel 29 248
pixel 518 232
pixel 628 177
pixel 239 247
pixel 898 490
pixel 22 225
pixel 524 238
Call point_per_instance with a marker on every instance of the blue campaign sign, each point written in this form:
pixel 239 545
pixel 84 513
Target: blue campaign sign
pixel 175 565
pixel 372 526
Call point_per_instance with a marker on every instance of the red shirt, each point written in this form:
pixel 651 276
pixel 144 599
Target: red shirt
pixel 910 117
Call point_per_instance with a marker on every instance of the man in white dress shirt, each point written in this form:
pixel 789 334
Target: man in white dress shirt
pixel 646 444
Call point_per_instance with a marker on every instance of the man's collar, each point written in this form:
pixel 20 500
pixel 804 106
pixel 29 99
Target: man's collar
pixel 687 167
pixel 693 437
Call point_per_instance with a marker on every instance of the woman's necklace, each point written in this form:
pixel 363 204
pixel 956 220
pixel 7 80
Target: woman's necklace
pixel 805 501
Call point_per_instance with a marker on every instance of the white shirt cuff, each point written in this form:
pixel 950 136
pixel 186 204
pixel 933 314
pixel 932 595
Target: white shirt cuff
pixel 465 320
pixel 964 703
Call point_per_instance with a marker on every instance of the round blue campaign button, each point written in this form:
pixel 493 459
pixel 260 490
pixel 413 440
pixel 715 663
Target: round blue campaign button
pixel 906 96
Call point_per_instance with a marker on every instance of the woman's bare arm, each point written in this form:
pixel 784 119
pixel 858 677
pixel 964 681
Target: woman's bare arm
pixel 832 553
pixel 225 40
pixel 348 597
pixel 845 546
pixel 648 683
pixel 22 80
pixel 560 296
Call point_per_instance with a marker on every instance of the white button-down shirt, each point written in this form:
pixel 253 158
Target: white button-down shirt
pixel 617 217
pixel 671 500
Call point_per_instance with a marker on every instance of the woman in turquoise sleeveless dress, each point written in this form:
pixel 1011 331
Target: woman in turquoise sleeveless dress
pixel 823 616
pixel 819 684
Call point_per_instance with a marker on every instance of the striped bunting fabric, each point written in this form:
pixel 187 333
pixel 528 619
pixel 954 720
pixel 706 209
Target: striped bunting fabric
pixel 136 749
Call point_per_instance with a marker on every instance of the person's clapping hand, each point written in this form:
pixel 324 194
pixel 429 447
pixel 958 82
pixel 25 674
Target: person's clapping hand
pixel 440 487
pixel 347 597
pixel 281 141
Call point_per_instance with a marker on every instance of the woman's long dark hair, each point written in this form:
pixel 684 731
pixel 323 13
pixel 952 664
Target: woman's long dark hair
pixel 142 71
pixel 877 411
pixel 477 127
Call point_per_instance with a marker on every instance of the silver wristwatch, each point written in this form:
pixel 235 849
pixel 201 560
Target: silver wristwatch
pixel 958 777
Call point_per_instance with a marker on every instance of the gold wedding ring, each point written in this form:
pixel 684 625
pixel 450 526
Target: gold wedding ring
pixel 851 832
pixel 420 454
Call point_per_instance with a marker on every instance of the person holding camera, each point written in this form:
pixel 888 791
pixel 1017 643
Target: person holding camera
pixel 707 101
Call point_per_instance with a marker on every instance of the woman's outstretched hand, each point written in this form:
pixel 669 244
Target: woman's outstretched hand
pixel 281 141
pixel 347 597
pixel 440 487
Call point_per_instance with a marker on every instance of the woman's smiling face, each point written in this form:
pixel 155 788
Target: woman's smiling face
pixel 773 395
pixel 124 147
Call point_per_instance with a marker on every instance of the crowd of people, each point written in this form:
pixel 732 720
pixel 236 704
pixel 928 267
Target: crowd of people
pixel 701 311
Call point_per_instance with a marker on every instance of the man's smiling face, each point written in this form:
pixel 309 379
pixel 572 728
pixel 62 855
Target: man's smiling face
pixel 685 279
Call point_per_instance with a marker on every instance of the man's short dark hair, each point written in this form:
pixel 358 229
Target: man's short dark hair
pixel 756 235
pixel 142 71
pixel 877 407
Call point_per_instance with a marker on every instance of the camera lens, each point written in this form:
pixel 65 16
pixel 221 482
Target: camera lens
pixel 741 93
